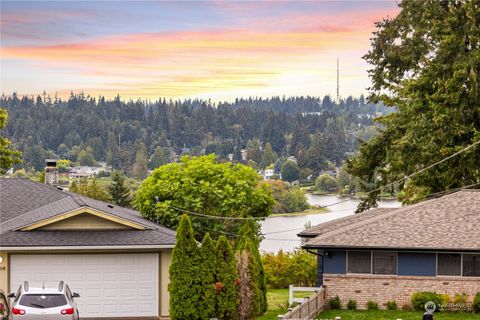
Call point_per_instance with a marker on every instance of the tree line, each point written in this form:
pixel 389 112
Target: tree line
pixel 135 136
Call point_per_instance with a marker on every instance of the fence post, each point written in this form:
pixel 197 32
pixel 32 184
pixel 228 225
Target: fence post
pixel 290 295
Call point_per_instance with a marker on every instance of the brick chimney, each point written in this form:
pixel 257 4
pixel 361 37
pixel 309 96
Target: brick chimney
pixel 51 172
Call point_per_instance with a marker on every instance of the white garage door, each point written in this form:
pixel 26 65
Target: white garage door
pixel 110 285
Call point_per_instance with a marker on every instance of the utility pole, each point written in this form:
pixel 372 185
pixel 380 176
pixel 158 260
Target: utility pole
pixel 338 83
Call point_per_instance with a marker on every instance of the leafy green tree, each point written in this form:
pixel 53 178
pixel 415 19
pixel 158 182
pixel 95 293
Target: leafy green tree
pixel 186 281
pixel 85 157
pixel 425 64
pixel 8 156
pixel 209 265
pixel 202 185
pixel 325 182
pixel 119 192
pixel 90 189
pixel 290 171
pixel 227 281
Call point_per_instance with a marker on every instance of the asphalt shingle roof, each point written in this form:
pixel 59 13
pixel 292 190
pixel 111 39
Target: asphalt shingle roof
pixel 23 202
pixel 450 222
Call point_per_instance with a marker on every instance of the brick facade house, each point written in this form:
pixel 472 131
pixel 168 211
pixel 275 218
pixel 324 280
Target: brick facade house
pixel 388 254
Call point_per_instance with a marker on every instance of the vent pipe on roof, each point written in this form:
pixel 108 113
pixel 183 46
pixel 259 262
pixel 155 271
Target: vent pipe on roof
pixel 51 172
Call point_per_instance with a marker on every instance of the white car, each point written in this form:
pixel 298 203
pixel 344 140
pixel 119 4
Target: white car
pixel 41 303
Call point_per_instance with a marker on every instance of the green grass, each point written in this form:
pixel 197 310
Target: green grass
pixel 392 315
pixel 277 303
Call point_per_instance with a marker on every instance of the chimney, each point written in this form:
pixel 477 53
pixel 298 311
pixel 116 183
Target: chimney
pixel 51 172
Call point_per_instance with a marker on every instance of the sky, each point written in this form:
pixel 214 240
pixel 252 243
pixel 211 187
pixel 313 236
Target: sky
pixel 218 50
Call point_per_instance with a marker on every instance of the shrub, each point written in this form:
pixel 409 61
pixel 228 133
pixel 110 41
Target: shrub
pixel 406 307
pixel 476 303
pixel 420 298
pixel 392 305
pixel 334 303
pixel 352 305
pixel 372 305
pixel 325 182
pixel 460 298
pixel 285 268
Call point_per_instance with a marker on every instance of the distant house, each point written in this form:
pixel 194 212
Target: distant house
pixel 388 254
pixel 268 174
pixel 85 172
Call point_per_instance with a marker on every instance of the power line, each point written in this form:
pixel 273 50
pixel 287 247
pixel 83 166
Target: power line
pixel 335 203
pixel 216 217
pixel 426 168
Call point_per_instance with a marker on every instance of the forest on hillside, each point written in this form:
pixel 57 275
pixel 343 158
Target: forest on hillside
pixel 135 135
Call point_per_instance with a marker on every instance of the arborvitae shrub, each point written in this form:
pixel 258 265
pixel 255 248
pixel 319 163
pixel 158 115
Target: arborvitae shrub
pixel 186 279
pixel 227 281
pixel 392 305
pixel 209 263
pixel 372 305
pixel 249 233
pixel 247 283
pixel 334 303
pixel 352 305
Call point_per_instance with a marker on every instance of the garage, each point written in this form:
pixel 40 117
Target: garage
pixel 110 285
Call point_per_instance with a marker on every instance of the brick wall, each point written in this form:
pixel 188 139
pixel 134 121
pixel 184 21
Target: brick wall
pixel 381 289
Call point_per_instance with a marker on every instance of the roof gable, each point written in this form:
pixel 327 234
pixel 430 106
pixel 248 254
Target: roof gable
pixel 83 219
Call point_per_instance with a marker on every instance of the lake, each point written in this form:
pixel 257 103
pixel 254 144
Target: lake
pixel 281 232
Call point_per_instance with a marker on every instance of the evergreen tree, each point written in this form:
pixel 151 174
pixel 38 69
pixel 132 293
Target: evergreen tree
pixel 436 101
pixel 209 265
pixel 268 157
pixel 158 158
pixel 247 305
pixel 119 192
pixel 227 281
pixel 315 155
pixel 140 167
pixel 250 241
pixel 186 281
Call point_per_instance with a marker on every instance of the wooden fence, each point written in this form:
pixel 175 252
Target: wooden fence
pixel 309 308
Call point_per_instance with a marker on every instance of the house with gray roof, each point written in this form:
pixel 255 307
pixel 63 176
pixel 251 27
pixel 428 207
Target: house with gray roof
pixel 117 260
pixel 387 254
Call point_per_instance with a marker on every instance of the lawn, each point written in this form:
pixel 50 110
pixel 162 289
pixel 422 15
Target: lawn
pixel 392 315
pixel 277 303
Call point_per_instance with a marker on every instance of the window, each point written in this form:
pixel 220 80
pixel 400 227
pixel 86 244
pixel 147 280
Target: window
pixel 449 264
pixel 471 265
pixel 384 262
pixel 43 301
pixel 359 262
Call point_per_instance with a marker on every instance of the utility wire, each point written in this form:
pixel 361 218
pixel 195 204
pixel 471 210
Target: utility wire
pixel 335 203
pixel 426 168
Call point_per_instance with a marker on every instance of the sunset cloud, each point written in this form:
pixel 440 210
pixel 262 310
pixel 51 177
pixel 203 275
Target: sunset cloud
pixel 289 53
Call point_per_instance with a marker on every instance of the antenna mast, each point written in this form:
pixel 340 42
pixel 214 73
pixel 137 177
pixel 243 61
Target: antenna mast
pixel 338 83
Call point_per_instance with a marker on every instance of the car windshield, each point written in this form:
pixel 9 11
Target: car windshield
pixel 43 301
